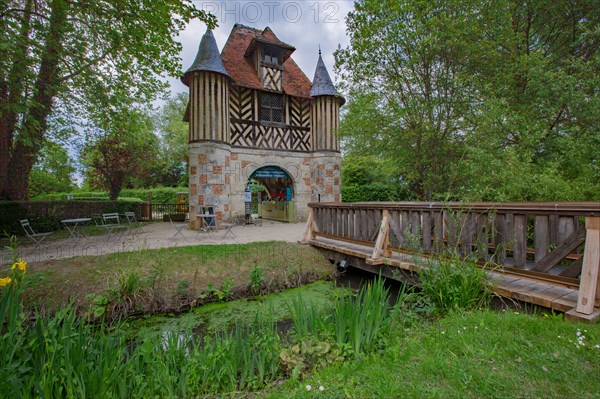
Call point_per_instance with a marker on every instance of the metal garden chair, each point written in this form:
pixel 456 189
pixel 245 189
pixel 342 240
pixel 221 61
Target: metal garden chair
pixel 37 238
pixel 178 228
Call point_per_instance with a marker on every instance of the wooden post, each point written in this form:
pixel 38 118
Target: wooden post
pixel 383 238
pixel 311 228
pixel 590 276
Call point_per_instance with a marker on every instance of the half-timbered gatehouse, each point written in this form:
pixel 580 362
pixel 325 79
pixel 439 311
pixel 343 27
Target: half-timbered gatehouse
pixel 254 117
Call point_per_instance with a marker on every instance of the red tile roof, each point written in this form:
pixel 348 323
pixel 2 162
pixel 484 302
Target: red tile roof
pixel 241 69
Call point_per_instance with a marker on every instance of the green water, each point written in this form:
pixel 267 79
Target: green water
pixel 224 315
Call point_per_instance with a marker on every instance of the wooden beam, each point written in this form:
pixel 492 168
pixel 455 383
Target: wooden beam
pixel 311 228
pixel 565 248
pixel 383 238
pixel 588 288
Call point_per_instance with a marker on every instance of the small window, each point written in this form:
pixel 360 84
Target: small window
pixel 271 107
pixel 270 59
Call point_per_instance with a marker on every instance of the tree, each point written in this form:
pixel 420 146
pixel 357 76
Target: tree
pixel 174 136
pixel 404 83
pixel 123 154
pixel 367 178
pixel 482 101
pixel 68 58
pixel 53 172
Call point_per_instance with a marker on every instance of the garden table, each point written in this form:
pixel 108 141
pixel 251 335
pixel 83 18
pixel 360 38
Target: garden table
pixel 72 226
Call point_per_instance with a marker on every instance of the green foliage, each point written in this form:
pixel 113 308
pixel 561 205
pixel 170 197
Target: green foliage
pixel 174 149
pixel 160 195
pixel 183 288
pixel 356 323
pixel 257 279
pixel 366 178
pixel 485 354
pixel 124 154
pixel 454 284
pixel 495 103
pixel 65 64
pixel 53 172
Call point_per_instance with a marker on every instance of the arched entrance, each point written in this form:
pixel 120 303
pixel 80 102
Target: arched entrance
pixel 273 190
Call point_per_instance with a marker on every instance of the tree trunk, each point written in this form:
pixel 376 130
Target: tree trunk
pixel 30 138
pixel 12 96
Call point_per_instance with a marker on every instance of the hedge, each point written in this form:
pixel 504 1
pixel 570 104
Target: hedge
pixel 160 195
pixel 46 215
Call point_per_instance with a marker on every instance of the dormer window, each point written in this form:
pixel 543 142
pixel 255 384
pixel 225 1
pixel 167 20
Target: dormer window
pixel 269 58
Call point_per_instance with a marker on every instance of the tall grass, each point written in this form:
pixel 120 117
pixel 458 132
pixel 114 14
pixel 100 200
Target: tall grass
pixel 355 321
pixel 453 284
pixel 360 320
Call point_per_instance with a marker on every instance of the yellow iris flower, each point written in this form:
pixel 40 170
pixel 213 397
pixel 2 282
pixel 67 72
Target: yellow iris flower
pixel 5 281
pixel 21 265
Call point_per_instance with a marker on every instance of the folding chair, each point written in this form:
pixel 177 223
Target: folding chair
pixel 233 221
pixel 178 227
pixel 112 222
pixel 97 218
pixel 37 238
pixel 133 223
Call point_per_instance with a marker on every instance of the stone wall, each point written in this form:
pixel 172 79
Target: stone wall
pixel 219 173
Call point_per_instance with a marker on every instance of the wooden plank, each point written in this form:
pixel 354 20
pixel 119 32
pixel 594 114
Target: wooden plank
pixel 542 237
pixel 553 229
pixel 499 233
pixel 467 229
pixel 415 223
pixel 404 227
pixel 536 294
pixel 427 222
pixel 452 231
pixel 438 231
pixel 590 273
pixel 565 302
pixel 395 227
pixel 364 233
pixel 508 289
pixel 546 294
pixel 481 237
pixel 564 249
pixel 350 226
pixel 566 227
pixel 520 241
pixel 368 222
pixel 573 270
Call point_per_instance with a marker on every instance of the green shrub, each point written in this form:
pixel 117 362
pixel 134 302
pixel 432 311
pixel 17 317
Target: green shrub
pixel 454 284
pixel 160 195
pixel 257 278
pixel 372 192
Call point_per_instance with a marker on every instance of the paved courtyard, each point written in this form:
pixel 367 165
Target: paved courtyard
pixel 156 235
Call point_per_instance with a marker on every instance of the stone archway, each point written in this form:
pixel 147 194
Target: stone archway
pixel 275 198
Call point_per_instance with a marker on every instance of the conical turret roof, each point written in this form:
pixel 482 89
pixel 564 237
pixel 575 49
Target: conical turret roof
pixel 208 58
pixel 322 84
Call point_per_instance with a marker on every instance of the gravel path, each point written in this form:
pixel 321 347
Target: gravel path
pixel 157 235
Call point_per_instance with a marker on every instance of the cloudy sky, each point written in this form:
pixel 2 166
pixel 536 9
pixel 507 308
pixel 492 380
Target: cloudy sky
pixel 304 24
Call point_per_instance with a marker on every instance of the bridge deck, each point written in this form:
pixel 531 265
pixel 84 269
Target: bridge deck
pixel 550 294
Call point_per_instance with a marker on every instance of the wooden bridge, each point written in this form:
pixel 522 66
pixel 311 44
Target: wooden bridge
pixel 543 253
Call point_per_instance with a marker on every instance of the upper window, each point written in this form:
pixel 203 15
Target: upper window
pixel 271 107
pixel 270 58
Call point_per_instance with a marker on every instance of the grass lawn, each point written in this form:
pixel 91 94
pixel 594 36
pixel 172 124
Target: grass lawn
pixel 483 354
pixel 193 267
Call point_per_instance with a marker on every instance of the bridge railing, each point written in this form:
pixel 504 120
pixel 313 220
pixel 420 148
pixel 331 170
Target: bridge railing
pixel 557 239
